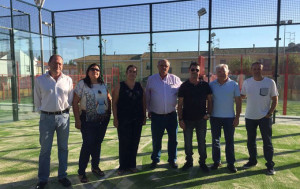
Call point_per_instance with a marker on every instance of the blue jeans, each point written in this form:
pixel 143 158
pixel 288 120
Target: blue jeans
pixel 265 126
pixel 47 126
pixel 201 127
pixel 158 125
pixel 216 126
pixel 92 136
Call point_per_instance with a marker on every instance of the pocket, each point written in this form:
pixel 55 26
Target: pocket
pixel 42 117
pixel 264 91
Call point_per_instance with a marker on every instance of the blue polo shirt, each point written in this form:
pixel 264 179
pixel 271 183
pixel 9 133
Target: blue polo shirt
pixel 223 98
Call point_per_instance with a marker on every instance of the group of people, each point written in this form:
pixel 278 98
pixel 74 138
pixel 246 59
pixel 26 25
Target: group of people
pixel 196 100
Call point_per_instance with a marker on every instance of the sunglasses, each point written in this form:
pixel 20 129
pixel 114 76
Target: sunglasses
pixel 197 70
pixel 94 69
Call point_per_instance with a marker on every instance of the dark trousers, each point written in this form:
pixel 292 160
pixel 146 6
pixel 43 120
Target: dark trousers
pixel 160 123
pixel 201 127
pixel 216 126
pixel 265 126
pixel 129 133
pixel 92 136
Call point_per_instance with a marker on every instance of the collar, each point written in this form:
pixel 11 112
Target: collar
pixel 223 83
pixel 61 75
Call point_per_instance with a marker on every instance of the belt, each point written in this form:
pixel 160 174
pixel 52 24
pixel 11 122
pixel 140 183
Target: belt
pixel 56 113
pixel 168 114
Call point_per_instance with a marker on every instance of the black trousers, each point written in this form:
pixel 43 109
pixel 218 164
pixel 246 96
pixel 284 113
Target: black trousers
pixel 129 133
pixel 265 126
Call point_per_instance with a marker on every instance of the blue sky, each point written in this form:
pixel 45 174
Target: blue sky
pixel 238 13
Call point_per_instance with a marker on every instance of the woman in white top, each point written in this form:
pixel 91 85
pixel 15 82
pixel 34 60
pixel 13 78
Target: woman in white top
pixel 95 107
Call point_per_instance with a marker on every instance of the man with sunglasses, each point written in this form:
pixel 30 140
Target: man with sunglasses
pixel 194 108
pixel 225 93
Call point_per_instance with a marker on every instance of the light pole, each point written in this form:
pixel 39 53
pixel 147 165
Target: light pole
pixel 48 25
pixel 200 12
pixel 105 41
pixel 83 38
pixel 40 4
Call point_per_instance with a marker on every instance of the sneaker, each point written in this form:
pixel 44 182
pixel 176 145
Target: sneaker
pixel 215 166
pixel 249 164
pixel 187 165
pixel 271 171
pixel 153 165
pixel 40 185
pixel 204 167
pixel 173 165
pixel 231 168
pixel 65 182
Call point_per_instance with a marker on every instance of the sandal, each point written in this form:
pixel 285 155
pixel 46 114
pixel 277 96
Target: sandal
pixel 98 172
pixel 83 178
pixel 121 172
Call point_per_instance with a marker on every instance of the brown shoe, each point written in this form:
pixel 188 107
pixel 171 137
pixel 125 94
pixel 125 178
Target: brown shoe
pixel 97 171
pixel 83 178
pixel 133 170
pixel 121 172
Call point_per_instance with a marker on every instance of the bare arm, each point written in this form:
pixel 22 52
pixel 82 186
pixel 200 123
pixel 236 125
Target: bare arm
pixel 209 106
pixel 144 106
pixel 115 100
pixel 273 106
pixel 179 111
pixel 238 109
pixel 76 100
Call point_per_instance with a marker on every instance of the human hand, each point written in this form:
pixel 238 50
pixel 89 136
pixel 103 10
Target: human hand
pixel 182 124
pixel 116 122
pixel 78 124
pixel 236 121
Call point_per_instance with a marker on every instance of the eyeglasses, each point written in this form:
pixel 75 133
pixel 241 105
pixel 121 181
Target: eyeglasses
pixel 94 69
pixel 197 70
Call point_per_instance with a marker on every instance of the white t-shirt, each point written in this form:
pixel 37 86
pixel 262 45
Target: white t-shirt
pixel 259 96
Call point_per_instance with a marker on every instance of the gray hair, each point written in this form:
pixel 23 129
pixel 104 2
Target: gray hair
pixel 225 66
pixel 163 60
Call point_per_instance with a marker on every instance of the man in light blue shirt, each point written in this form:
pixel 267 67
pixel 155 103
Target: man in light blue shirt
pixel 225 93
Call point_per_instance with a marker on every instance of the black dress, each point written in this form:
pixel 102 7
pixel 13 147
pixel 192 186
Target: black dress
pixel 130 118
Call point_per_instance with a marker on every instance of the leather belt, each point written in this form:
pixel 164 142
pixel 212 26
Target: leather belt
pixel 56 113
pixel 168 114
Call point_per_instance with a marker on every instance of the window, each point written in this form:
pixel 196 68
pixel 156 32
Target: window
pixel 185 66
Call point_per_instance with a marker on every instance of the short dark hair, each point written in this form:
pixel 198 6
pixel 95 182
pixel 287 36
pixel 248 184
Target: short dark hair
pixel 257 63
pixel 130 66
pixel 54 55
pixel 194 64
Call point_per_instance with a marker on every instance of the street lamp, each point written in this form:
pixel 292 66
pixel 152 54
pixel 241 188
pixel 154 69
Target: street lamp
pixel 105 41
pixel 83 38
pixel 48 25
pixel 40 4
pixel 200 12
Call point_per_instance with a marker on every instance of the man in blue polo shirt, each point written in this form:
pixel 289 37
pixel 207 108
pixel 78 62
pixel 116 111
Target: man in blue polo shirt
pixel 225 93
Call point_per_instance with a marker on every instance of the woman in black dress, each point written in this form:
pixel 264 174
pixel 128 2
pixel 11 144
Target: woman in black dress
pixel 129 110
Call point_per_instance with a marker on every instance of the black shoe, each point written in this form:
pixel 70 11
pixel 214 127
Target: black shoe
pixel 249 164
pixel 40 185
pixel 153 165
pixel 65 182
pixel 187 165
pixel 231 168
pixel 271 171
pixel 215 166
pixel 173 165
pixel 204 167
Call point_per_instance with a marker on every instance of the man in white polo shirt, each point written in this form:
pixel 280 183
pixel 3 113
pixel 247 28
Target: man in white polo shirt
pixel 225 93
pixel 260 92
pixel 52 98
pixel 161 100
